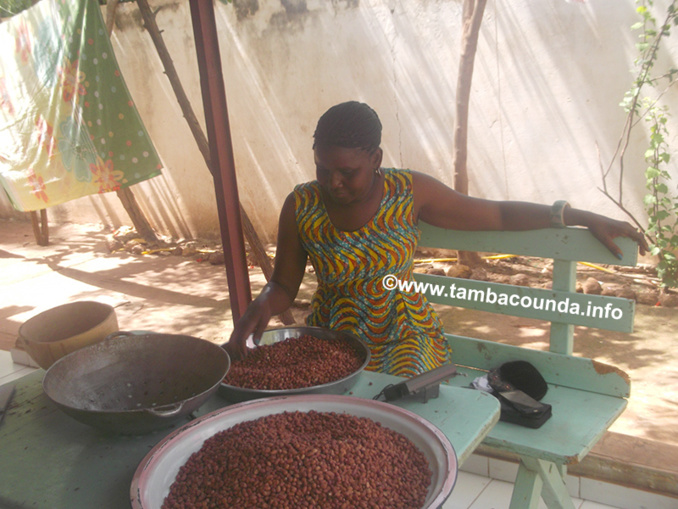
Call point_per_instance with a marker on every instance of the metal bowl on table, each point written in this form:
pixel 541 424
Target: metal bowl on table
pixel 136 383
pixel 236 394
pixel 158 470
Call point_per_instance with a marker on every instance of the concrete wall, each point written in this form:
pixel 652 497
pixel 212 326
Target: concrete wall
pixel 544 112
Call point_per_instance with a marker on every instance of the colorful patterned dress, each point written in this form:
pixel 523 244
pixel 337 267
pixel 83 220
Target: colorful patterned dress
pixel 400 327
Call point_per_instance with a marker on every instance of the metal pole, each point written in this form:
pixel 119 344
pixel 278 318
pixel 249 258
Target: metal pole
pixel 221 152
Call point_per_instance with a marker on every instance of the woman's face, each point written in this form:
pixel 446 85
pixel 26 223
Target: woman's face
pixel 346 175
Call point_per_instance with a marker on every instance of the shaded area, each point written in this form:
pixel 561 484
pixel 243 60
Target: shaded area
pixel 165 294
pixel 179 295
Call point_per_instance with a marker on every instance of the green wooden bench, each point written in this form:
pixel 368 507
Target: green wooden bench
pixel 587 396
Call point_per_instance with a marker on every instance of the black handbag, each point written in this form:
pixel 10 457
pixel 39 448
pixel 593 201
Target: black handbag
pixel 519 386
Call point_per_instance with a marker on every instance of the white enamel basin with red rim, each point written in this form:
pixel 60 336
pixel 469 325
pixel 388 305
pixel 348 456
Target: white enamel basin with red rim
pixel 157 471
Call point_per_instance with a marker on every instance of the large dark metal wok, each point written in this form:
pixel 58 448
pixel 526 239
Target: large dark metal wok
pixel 136 383
pixel 238 394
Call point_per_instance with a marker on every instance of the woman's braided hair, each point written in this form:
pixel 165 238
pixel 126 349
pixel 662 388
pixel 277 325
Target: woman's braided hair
pixel 350 125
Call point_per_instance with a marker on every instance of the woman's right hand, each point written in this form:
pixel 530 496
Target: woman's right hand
pixel 252 323
pixel 280 292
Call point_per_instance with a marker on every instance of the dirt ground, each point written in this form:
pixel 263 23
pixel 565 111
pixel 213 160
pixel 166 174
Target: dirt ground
pixel 185 291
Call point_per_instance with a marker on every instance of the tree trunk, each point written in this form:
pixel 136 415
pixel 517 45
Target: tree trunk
pixel 111 6
pixel 125 194
pixel 473 16
pixel 253 240
pixel 141 224
pixel 472 19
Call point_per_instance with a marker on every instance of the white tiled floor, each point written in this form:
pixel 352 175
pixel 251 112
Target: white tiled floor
pixel 10 371
pixel 485 483
pixel 478 492
pixel 474 491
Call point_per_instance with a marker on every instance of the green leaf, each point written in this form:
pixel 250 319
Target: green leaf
pixel 652 172
pixel 657 138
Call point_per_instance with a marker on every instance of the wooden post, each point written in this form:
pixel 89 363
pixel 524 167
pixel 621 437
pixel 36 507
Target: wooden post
pixel 253 239
pixel 40 227
pixel 221 154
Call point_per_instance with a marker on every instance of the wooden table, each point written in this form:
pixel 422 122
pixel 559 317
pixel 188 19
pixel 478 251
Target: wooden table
pixel 49 461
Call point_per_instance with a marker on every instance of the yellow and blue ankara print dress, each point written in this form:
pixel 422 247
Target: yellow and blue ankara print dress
pixel 400 327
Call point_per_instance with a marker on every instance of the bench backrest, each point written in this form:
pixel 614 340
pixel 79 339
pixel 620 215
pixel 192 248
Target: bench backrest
pixel 562 305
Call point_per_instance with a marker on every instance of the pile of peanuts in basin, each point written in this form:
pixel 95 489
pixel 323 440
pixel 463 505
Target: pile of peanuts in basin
pixel 300 459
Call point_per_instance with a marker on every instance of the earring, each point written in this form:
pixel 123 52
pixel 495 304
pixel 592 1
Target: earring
pixel 377 172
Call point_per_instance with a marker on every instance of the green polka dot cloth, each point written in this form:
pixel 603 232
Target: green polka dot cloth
pixel 68 125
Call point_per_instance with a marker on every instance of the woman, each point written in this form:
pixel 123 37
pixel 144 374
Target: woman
pixel 358 223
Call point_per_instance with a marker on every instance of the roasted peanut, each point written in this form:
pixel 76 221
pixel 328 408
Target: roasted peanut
pixel 303 459
pixel 295 363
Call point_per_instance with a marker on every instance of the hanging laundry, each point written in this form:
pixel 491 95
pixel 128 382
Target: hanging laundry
pixel 68 125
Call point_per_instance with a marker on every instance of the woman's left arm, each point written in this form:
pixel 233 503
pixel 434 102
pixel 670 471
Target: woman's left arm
pixel 439 205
